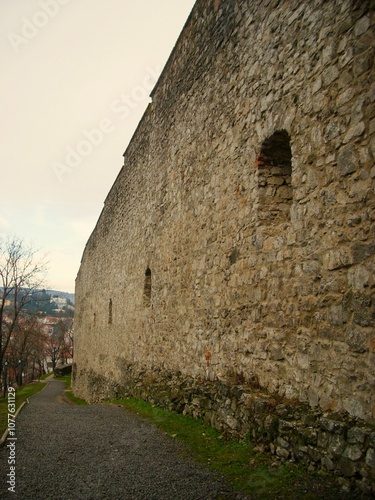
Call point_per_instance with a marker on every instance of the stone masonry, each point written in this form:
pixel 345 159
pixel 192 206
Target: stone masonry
pixel 234 256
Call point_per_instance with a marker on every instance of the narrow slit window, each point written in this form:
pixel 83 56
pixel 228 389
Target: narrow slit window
pixel 110 312
pixel 147 288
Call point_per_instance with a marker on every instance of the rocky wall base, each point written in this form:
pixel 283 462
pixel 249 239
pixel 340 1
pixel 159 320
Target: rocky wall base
pixel 289 429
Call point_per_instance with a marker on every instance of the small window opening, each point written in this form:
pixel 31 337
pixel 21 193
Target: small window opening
pixel 275 178
pixel 233 257
pixel 110 312
pixel 147 288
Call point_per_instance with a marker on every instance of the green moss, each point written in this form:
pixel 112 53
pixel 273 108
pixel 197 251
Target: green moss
pixel 75 400
pixel 65 378
pixel 68 391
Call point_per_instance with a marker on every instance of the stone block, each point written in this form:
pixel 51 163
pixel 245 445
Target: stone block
pixel 275 180
pixel 309 436
pixel 370 458
pixel 332 426
pixel 329 53
pixel 356 338
pixel 364 318
pixel 362 25
pixel 345 96
pixel 362 251
pixel 276 353
pixel 336 445
pixel 354 405
pixel 282 452
pixel 358 277
pixel 347 161
pixel 285 427
pixel 231 422
pixel 363 63
pixel 323 439
pixel 336 259
pixel 285 193
pixel 327 463
pixel 353 452
pixel 260 406
pixel 336 315
pixel 346 467
pixel 354 131
pixel 330 75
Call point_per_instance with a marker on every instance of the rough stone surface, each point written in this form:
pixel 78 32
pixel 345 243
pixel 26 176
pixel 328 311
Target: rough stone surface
pixel 237 244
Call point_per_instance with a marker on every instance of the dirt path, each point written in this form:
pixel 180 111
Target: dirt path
pixel 73 452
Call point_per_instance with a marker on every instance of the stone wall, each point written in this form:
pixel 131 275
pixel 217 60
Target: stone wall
pixel 237 242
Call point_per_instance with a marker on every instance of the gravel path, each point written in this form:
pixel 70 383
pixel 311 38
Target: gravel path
pixel 73 452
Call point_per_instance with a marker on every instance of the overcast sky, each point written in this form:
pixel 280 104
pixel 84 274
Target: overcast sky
pixel 75 81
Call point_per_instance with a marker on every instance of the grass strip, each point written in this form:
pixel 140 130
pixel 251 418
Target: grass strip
pixel 68 391
pixel 67 379
pixel 74 399
pixel 21 396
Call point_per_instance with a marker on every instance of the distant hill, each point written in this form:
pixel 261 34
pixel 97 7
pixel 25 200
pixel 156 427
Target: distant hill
pixel 46 302
pixel 51 303
pixel 64 295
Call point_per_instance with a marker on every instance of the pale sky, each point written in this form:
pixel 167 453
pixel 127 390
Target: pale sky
pixel 75 81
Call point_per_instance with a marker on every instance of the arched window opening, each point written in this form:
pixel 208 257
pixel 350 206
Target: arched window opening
pixel 147 288
pixel 110 312
pixel 275 178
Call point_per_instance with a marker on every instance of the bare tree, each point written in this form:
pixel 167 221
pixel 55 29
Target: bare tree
pixel 22 273
pixel 59 345
pixel 25 348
